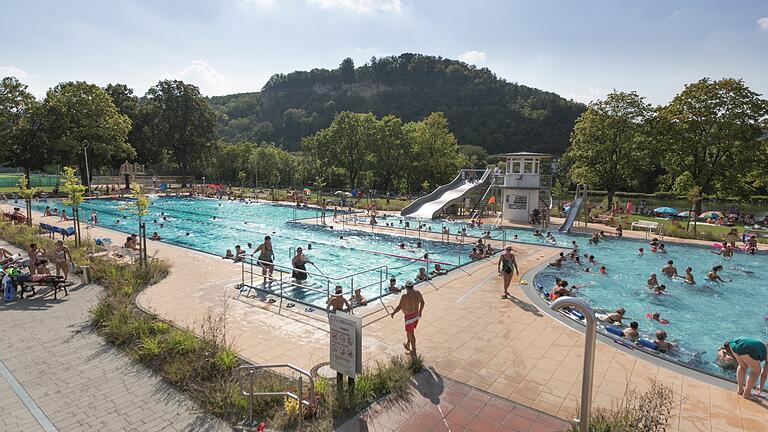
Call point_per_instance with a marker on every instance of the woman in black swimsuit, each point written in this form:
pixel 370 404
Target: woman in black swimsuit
pixel 507 267
pixel 266 258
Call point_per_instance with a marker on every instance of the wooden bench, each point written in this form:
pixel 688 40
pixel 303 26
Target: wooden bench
pixel 645 225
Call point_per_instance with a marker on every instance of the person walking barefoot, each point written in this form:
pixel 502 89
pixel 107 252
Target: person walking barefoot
pixel 412 305
pixel 507 267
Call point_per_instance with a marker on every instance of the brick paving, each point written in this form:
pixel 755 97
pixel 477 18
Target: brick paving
pixel 79 382
pixel 438 404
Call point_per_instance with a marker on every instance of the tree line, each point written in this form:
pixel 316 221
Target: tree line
pixel 709 139
pixel 172 125
pixel 172 130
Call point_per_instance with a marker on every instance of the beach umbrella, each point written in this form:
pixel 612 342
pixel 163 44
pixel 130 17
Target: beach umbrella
pixel 338 193
pixel 347 194
pixel 665 210
pixel 711 215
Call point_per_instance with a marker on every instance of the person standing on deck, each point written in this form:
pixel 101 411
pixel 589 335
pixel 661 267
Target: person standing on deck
pixel 507 267
pixel 323 208
pixel 266 258
pixel 749 354
pixel 412 305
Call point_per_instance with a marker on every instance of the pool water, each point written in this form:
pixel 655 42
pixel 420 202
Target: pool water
pixel 701 316
pixel 215 226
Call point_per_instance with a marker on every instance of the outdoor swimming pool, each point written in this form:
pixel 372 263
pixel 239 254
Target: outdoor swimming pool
pixel 702 316
pixel 215 226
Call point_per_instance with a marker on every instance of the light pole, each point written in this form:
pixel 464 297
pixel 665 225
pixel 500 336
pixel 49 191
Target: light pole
pixel 589 354
pixel 87 171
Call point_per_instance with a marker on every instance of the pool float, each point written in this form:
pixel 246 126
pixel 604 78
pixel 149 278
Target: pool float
pixel 614 330
pixel 523 282
pixel 661 321
pixel 645 343
pixel 717 245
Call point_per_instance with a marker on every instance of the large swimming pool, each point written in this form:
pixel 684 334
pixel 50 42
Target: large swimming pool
pixel 213 226
pixel 701 316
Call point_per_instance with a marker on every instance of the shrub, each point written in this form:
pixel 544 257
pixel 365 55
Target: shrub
pixel 646 412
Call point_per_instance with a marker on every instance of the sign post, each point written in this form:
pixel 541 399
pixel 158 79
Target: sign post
pixel 346 347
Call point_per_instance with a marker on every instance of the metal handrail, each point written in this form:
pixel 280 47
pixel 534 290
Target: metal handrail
pixel 249 372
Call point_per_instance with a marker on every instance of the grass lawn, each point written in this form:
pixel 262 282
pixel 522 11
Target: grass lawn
pixel 12 189
pixel 675 228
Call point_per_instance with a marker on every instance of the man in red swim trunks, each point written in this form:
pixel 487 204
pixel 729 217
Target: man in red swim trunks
pixel 412 304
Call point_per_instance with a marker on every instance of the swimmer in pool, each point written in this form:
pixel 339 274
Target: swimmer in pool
pixel 602 270
pixel 688 276
pixel 669 270
pixel 640 252
pixel 714 277
pixel 652 282
pixel 614 317
pixel 657 317
pixel 661 341
pixel 631 332
pixel 659 289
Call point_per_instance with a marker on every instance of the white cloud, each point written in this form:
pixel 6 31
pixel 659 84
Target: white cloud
pixel 203 75
pixel 263 3
pixel 763 23
pixel 13 71
pixel 472 57
pixel 360 6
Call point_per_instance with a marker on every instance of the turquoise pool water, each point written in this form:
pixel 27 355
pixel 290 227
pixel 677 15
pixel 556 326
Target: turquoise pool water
pixel 701 316
pixel 215 226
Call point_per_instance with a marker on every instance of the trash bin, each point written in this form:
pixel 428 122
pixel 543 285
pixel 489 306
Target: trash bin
pixel 85 274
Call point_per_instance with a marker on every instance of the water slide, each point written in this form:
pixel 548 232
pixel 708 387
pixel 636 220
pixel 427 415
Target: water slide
pixel 572 213
pixel 430 206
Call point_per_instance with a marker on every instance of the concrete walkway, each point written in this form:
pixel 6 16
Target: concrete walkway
pixel 437 404
pixel 58 369
pixel 505 347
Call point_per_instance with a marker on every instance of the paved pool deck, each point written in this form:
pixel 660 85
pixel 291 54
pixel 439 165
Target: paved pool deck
pixel 508 348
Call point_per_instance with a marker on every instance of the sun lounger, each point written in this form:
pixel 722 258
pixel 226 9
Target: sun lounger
pixel 603 218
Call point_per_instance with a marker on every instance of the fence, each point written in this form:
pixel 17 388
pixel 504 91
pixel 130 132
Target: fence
pixel 36 180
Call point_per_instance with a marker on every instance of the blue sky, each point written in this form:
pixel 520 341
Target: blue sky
pixel 579 49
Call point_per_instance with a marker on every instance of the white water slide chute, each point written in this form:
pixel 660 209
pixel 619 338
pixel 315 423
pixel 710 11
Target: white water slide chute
pixel 430 206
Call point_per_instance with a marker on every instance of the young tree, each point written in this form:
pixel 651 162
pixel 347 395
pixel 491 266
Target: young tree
pixel 610 142
pixel 710 128
pixel 27 193
pixel 181 122
pixel 76 112
pixel 140 207
pixel 75 191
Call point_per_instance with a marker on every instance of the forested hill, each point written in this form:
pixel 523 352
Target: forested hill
pixel 482 109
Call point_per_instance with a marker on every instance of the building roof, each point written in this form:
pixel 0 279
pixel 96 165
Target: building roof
pixel 524 154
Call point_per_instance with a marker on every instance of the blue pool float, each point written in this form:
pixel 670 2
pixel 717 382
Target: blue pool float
pixel 645 343
pixel 614 330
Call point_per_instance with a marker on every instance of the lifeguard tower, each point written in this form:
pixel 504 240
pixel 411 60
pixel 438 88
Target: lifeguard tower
pixel 526 186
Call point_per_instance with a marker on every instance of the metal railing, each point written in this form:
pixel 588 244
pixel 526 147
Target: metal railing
pixel 285 281
pixel 246 375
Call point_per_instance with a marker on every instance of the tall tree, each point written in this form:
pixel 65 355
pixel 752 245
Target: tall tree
pixel 20 138
pixel 78 112
pixel 712 130
pixel 434 151
pixel 610 142
pixel 346 143
pixel 389 153
pixel 181 121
